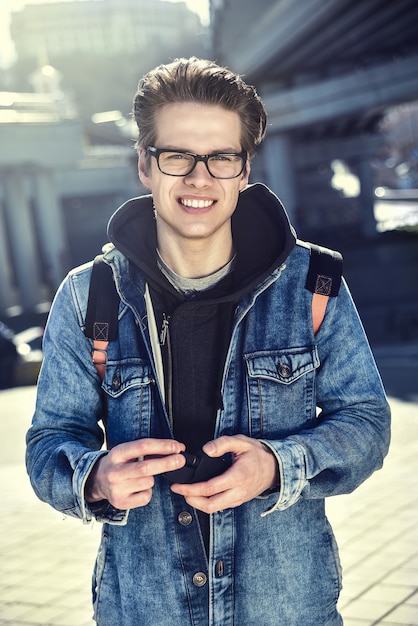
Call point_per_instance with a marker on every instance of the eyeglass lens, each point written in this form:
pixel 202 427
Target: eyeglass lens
pixel 218 165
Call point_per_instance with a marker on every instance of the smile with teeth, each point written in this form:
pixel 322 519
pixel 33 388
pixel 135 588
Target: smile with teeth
pixel 195 203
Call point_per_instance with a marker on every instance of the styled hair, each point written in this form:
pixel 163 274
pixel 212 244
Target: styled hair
pixel 203 82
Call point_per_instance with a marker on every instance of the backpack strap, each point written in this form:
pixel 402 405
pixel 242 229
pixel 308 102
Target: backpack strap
pixel 323 279
pixel 102 312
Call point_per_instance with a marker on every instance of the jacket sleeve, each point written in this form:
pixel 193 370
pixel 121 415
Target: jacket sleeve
pixel 65 438
pixel 352 433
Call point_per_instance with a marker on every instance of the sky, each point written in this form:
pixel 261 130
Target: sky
pixel 7 6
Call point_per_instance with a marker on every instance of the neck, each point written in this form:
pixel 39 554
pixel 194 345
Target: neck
pixel 196 259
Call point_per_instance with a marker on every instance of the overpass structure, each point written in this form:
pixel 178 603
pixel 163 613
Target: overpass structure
pixel 327 71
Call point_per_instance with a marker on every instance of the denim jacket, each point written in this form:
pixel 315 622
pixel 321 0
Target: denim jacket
pixel 316 401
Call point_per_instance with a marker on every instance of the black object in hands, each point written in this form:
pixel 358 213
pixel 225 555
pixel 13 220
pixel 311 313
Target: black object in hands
pixel 199 468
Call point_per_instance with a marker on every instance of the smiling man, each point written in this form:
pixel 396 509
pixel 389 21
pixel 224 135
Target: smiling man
pixel 230 413
pixel 194 210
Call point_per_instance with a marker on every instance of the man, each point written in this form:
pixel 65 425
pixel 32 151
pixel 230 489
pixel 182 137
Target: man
pixel 215 349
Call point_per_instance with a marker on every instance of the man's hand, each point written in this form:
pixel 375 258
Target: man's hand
pixel 125 476
pixel 254 471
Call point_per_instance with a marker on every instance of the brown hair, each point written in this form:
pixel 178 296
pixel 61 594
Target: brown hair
pixel 204 82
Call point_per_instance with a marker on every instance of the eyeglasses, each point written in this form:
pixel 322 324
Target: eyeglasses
pixel 182 163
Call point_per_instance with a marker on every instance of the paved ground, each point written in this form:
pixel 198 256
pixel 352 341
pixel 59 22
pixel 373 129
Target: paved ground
pixel 46 560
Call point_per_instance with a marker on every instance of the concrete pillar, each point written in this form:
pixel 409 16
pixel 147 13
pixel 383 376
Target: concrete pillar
pixel 50 227
pixel 22 239
pixel 367 199
pixel 279 169
pixel 6 290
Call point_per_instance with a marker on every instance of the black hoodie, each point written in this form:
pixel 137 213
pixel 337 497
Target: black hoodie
pixel 199 327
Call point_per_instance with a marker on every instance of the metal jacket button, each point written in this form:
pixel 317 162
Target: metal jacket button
pixel 116 382
pixel 200 579
pixel 185 518
pixel 284 370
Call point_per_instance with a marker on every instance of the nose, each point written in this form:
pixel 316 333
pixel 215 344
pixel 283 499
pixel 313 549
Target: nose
pixel 199 176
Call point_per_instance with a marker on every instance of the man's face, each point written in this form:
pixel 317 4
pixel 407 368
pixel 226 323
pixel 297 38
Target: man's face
pixel 196 206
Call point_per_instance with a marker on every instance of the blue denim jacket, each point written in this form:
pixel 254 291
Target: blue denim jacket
pixel 273 561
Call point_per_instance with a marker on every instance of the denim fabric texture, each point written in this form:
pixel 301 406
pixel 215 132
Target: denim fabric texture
pixel 316 401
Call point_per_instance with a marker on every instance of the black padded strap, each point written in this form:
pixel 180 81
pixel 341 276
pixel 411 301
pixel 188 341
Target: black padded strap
pixel 103 303
pixel 325 271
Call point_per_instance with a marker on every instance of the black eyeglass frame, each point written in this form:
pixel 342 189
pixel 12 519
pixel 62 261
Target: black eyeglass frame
pixel 156 152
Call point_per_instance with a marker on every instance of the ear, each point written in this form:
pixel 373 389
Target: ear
pixel 245 175
pixel 143 171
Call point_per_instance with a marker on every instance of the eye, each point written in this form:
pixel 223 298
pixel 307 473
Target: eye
pixel 176 156
pixel 223 158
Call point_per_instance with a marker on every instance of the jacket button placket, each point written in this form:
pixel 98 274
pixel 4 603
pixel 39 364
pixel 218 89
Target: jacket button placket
pixel 194 562
pixel 222 594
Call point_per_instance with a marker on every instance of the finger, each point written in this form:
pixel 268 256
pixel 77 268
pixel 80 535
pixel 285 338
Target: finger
pixel 122 479
pixel 206 489
pixel 130 484
pixel 139 499
pixel 132 450
pixel 151 466
pixel 216 503
pixel 132 471
pixel 131 499
pixel 236 444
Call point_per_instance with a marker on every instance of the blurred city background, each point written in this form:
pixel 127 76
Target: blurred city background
pixel 340 82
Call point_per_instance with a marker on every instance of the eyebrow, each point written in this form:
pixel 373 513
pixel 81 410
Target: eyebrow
pixel 216 151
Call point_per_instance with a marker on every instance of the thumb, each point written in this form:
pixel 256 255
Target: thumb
pixel 224 444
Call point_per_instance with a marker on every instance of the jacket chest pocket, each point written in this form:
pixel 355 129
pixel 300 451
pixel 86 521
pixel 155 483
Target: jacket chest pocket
pixel 128 387
pixel 281 391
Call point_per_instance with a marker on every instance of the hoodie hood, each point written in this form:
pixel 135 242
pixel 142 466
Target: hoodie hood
pixel 261 231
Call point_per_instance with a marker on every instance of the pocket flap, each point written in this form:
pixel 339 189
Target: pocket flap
pixel 284 366
pixel 122 375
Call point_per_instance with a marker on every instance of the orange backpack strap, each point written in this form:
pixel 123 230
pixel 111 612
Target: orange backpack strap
pixel 323 279
pixel 319 305
pixel 102 313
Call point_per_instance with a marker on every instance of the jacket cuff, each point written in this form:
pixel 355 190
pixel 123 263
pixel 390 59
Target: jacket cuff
pixel 105 512
pixel 290 458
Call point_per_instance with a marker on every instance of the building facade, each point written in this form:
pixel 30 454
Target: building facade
pixel 57 192
pixel 102 27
